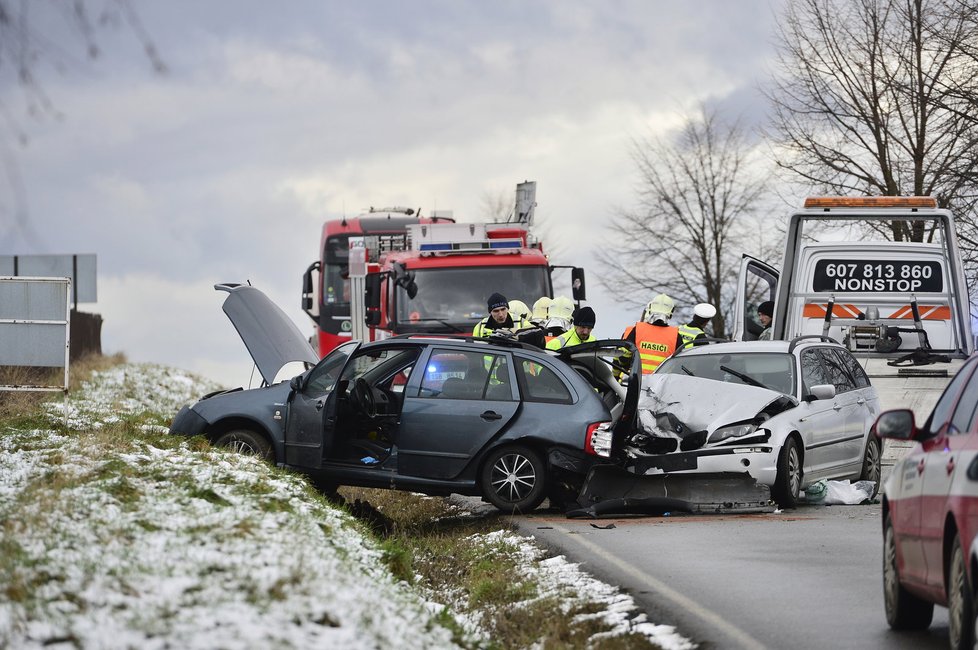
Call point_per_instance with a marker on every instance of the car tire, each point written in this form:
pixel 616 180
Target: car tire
pixel 873 464
pixel 960 606
pixel 247 442
pixel 787 484
pixel 513 479
pixel 904 611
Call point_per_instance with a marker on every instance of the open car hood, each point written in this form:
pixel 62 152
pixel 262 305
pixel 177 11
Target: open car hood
pixel 700 404
pixel 270 336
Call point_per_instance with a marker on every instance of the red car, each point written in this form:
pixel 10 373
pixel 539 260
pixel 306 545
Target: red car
pixel 930 512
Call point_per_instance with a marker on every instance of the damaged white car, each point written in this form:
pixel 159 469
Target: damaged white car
pixel 785 413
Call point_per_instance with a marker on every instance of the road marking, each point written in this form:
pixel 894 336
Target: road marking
pixel 679 600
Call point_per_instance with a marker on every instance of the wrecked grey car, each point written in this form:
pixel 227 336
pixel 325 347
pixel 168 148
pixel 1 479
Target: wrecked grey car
pixel 496 418
pixel 784 413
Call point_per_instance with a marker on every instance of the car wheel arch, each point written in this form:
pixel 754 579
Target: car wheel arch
pixel 226 425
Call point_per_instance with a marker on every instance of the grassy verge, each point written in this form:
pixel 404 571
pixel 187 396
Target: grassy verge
pixel 488 579
pixel 476 566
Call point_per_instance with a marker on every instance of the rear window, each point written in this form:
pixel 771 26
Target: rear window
pixel 542 384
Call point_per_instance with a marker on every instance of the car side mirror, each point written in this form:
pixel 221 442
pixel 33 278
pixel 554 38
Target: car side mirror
pixel 821 391
pixel 897 424
pixel 296 383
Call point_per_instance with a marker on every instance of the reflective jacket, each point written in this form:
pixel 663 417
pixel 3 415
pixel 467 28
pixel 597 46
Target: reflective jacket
pixel 687 333
pixel 487 326
pixel 567 339
pixel 655 343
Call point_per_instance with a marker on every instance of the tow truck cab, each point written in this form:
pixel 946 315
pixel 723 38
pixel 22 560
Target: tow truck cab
pixel 881 275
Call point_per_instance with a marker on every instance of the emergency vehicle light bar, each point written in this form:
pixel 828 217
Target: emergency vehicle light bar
pixel 870 202
pixel 486 245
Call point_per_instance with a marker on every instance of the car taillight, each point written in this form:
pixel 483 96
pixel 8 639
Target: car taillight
pixel 598 439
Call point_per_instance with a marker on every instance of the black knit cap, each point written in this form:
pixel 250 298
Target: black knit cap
pixel 584 317
pixel 497 300
pixel 766 308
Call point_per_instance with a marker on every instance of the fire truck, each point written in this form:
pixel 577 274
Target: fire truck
pixel 393 271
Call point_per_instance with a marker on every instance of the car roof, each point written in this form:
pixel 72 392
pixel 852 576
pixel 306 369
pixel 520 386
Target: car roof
pixel 759 346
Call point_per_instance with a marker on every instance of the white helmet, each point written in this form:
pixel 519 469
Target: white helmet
pixel 705 310
pixel 659 309
pixel 518 310
pixel 561 307
pixel 540 308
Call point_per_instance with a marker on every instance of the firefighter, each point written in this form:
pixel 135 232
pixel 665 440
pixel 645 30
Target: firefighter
pixel 539 316
pixel 559 316
pixel 702 313
pixel 653 336
pixel 498 318
pixel 581 333
pixel 519 311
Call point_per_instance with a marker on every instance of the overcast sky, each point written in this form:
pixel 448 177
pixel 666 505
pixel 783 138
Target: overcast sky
pixel 273 117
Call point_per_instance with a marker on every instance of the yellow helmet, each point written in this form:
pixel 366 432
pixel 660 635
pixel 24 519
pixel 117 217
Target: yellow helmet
pixel 518 310
pixel 540 308
pixel 561 307
pixel 659 309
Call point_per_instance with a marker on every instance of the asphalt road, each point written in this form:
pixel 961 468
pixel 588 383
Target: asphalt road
pixel 805 578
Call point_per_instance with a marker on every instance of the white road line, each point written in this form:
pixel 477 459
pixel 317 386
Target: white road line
pixel 743 638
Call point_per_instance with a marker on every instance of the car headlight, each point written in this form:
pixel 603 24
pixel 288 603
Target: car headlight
pixel 733 431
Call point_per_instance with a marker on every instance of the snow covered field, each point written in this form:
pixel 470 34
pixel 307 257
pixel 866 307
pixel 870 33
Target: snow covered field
pixel 115 535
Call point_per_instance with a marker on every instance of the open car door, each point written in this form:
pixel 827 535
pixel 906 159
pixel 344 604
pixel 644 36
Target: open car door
pixel 757 283
pixel 311 414
pixel 610 369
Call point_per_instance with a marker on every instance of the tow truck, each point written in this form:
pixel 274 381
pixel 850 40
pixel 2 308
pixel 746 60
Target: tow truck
pixel 881 275
pixel 407 274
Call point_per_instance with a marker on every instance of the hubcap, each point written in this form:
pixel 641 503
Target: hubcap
pixel 794 471
pixel 513 477
pixel 871 469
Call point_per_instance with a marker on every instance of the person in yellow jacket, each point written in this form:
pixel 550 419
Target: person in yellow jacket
pixel 584 320
pixel 498 318
pixel 655 339
pixel 702 314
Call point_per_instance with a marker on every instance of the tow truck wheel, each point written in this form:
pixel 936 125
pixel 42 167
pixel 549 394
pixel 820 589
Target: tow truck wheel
pixel 247 442
pixel 872 468
pixel 787 485
pixel 513 479
pixel 904 611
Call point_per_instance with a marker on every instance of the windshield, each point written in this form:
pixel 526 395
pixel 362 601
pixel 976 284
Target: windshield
pixel 772 370
pixel 455 299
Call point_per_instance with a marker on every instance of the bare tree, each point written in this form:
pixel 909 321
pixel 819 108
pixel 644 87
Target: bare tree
pixel 697 194
pixel 878 97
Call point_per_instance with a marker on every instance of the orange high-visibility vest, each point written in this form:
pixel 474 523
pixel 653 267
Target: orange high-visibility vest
pixel 655 343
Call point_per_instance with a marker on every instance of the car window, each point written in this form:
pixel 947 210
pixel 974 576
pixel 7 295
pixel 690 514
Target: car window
pixel 856 371
pixel 542 384
pixel 376 364
pixel 836 371
pixel 774 370
pixel 942 410
pixel 452 374
pixel 812 373
pixel 964 411
pixel 323 377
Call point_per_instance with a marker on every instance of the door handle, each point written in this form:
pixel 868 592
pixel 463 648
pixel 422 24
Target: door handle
pixel 837 407
pixel 950 465
pixel 491 415
pixel 319 405
pixel 920 467
pixel 860 401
